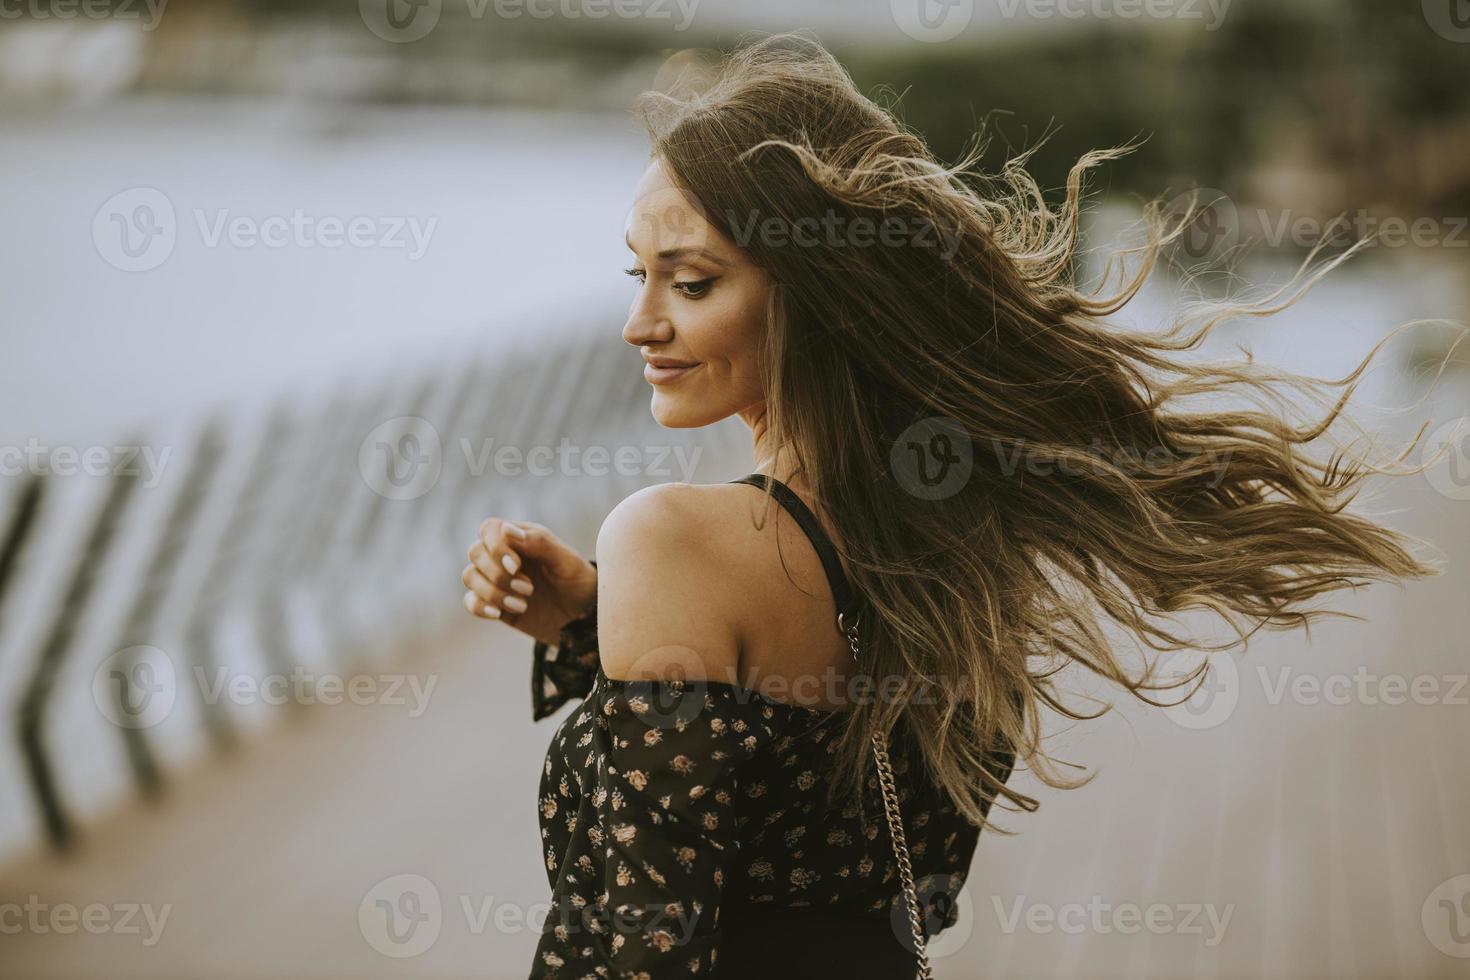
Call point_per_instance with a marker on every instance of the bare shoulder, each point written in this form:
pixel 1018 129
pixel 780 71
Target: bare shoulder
pixel 703 582
pixel 663 607
pixel 667 508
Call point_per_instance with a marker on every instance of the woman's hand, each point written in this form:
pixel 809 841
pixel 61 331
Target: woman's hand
pixel 526 577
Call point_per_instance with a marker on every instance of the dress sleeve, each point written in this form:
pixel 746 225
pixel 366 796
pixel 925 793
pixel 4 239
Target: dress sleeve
pixel 566 669
pixel 668 819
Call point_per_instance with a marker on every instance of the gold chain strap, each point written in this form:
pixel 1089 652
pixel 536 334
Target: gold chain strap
pixel 895 825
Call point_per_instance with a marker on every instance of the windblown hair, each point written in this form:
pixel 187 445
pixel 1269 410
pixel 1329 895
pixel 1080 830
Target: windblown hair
pixel 965 324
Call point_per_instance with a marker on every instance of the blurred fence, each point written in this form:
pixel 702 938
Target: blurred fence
pixel 292 543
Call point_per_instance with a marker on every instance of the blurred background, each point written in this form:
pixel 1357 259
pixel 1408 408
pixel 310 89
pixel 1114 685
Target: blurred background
pixel 296 293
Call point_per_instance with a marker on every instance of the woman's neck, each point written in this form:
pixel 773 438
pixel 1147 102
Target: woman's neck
pixel 771 459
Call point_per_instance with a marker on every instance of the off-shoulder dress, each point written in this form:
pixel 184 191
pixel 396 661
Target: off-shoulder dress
pixel 686 833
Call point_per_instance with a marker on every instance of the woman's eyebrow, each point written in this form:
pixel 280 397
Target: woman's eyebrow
pixel 681 252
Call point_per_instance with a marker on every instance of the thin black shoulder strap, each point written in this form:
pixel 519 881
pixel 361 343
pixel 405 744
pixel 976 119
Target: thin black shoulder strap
pixel 841 591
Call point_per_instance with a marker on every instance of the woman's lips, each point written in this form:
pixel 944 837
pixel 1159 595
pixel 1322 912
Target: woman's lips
pixel 665 375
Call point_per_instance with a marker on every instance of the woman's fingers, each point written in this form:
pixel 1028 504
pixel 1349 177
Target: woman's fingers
pixel 527 541
pixel 488 592
pixel 510 541
pixel 500 551
pixel 496 572
pixel 488 564
pixel 497 577
pixel 493 555
pixel 477 607
pixel 477 583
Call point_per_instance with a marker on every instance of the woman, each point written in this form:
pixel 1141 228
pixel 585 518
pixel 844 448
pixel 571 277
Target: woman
pixel 982 472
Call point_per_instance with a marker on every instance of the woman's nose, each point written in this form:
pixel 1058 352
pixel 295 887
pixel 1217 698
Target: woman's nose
pixel 647 321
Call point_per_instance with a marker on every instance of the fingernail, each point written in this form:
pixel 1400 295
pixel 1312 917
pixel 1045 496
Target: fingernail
pixel 523 585
pixel 491 611
pixel 517 530
pixel 510 563
pixel 515 603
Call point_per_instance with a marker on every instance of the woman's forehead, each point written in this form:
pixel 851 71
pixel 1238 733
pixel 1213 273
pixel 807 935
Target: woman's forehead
pixel 662 219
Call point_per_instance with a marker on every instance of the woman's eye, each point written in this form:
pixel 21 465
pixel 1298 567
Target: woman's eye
pixel 694 289
pixel 638 274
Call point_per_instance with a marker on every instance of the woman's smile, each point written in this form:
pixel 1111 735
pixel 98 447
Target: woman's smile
pixel 663 373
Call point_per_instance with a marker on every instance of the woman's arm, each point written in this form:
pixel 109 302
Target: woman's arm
pixel 524 576
pixel 567 668
pixel 672 775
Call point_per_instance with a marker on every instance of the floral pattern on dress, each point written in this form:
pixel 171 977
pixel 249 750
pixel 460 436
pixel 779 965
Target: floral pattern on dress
pixel 663 802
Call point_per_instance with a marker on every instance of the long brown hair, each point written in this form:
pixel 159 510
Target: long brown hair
pixel 963 330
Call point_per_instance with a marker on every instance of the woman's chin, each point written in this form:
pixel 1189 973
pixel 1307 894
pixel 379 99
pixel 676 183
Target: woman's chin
pixel 672 413
pixel 666 415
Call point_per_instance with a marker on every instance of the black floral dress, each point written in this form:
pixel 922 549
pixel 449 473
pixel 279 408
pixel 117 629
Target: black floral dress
pixel 686 830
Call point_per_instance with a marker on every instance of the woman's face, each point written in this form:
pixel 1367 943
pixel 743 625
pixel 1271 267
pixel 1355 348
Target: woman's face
pixel 699 308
